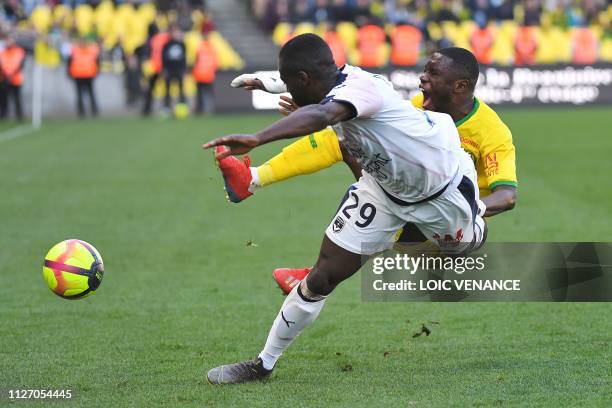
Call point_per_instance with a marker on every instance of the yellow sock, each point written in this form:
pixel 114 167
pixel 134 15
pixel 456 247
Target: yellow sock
pixel 307 155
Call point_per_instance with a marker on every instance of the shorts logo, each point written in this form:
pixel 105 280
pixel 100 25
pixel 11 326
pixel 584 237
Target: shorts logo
pixel 338 224
pixel 448 238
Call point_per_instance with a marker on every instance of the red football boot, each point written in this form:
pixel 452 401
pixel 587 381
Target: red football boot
pixel 287 278
pixel 236 175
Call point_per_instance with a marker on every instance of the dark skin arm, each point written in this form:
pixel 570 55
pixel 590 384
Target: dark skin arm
pixel 288 106
pixel 501 199
pixel 303 121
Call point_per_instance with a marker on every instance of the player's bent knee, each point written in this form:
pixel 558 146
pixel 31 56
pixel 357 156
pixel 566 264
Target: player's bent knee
pixel 318 282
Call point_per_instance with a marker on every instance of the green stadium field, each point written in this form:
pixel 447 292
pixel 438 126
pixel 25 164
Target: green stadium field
pixel 188 277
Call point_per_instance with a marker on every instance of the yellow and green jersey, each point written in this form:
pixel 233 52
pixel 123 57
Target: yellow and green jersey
pixel 489 142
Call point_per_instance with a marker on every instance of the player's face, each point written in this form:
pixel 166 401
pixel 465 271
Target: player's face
pixel 300 86
pixel 437 83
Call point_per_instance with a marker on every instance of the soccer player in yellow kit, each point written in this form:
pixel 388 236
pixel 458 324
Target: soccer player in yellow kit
pixel 445 87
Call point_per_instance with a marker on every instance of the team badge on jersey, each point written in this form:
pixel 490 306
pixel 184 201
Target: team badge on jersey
pixel 338 224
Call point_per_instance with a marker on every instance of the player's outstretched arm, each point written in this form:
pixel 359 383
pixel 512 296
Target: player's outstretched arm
pixel 501 199
pixel 267 83
pixel 303 121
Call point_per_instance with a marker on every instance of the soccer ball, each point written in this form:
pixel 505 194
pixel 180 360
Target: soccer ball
pixel 73 269
pixel 181 111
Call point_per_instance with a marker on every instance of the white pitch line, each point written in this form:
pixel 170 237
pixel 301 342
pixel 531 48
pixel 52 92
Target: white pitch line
pixel 17 131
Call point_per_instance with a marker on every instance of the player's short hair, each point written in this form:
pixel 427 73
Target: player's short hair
pixel 308 53
pixel 464 63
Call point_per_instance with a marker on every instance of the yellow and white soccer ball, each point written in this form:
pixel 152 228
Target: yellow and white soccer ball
pixel 181 111
pixel 73 269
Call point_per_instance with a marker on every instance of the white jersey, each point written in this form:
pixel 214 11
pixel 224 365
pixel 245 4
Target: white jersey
pixel 412 154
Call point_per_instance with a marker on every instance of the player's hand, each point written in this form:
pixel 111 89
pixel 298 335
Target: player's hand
pixel 261 82
pixel 482 208
pixel 287 105
pixel 236 144
pixel 248 82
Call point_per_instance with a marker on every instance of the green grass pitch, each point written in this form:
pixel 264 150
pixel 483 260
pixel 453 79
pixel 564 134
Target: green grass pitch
pixel 188 283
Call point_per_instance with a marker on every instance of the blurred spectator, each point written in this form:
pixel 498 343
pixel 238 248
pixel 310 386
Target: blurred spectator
pixel 397 12
pixel 174 64
pixel 13 11
pixel 585 46
pixel 339 10
pixel 502 9
pixel 405 40
pixel 526 46
pixel 301 11
pixel 12 60
pixel 156 43
pixel 481 12
pixel 533 11
pixel 132 77
pixel 277 11
pixel 481 43
pixel 362 13
pixel 321 12
pixel 445 13
pixel 207 25
pixel 204 72
pixel 371 45
pixel 83 66
pixel 336 45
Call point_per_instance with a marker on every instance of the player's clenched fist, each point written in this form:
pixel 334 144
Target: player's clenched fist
pixel 236 144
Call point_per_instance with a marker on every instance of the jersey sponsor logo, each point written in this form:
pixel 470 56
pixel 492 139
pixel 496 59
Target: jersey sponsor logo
pixel 491 164
pixel 374 166
pixel 469 142
pixel 338 224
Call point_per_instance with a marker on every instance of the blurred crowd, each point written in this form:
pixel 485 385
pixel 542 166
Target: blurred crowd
pixel 374 33
pixel 164 49
pixel 565 13
pixel 170 49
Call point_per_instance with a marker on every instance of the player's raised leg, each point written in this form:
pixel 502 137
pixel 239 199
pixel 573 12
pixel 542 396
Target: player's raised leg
pixel 307 155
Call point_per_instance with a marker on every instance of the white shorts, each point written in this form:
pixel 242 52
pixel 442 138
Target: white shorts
pixel 368 220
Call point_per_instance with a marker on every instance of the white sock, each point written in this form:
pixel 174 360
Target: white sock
pixel 255 183
pixel 295 314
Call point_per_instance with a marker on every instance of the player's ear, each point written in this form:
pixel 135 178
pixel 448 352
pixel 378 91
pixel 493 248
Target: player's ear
pixel 462 85
pixel 303 77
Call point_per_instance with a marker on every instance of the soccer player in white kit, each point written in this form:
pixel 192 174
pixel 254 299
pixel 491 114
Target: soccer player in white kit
pixel 414 170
